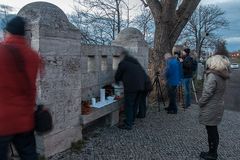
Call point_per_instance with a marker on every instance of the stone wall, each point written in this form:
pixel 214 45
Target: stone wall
pixel 58 42
pixel 74 72
pixel 98 69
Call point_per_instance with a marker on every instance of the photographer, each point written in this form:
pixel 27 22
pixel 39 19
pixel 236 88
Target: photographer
pixel 188 68
pixel 173 78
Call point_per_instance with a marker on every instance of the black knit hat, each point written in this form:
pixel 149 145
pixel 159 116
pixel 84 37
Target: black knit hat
pixel 187 50
pixel 16 26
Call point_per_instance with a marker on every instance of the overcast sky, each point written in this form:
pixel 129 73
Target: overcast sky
pixel 231 7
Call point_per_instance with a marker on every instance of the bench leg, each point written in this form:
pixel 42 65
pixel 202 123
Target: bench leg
pixel 113 118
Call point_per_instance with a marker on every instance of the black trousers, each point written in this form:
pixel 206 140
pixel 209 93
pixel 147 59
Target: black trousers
pixel 142 104
pixel 213 138
pixel 24 144
pixel 172 96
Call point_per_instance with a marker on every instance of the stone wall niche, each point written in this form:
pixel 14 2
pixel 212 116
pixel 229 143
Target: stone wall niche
pixel 58 42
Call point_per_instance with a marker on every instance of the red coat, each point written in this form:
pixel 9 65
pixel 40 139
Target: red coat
pixel 17 106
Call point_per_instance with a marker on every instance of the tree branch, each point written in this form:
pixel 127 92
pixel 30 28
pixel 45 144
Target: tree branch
pixel 144 3
pixel 182 8
pixel 156 8
pixel 187 8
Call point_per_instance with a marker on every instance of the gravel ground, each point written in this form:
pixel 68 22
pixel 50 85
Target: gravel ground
pixel 160 137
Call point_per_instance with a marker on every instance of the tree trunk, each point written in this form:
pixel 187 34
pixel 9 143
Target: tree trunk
pixel 169 22
pixel 163 43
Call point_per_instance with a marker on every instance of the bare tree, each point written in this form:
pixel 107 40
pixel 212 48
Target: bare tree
pixel 5 11
pixel 221 47
pixel 170 17
pixel 145 23
pixel 109 9
pixel 200 31
pixel 94 29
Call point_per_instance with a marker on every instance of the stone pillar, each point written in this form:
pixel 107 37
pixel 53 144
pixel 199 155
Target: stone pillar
pixel 58 42
pixel 133 40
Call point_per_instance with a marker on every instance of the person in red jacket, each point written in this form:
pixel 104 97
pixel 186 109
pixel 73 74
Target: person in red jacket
pixel 19 68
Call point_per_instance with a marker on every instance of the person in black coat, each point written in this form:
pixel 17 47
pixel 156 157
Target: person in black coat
pixel 187 77
pixel 133 76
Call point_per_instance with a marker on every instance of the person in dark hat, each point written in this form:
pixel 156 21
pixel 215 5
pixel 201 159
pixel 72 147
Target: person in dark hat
pixel 16 26
pixel 19 67
pixel 187 65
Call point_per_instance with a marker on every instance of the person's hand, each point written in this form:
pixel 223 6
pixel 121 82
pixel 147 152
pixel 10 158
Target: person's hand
pixel 180 59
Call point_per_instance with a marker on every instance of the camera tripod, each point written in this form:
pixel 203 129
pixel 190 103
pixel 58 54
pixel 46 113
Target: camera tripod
pixel 159 91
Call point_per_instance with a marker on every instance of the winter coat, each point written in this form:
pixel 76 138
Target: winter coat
pixel 17 94
pixel 212 101
pixel 131 73
pixel 173 72
pixel 188 67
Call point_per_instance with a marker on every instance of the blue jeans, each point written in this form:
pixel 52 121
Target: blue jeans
pixel 24 144
pixel 172 95
pixel 187 92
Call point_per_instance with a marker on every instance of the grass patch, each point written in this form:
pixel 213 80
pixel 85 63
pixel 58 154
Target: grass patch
pixel 77 146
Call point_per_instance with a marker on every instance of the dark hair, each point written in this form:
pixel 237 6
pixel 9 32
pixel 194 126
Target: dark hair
pixel 125 52
pixel 177 53
pixel 187 50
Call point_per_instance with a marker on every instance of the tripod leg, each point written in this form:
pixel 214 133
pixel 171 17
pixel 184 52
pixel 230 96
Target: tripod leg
pixel 160 88
pixel 158 97
pixel 195 92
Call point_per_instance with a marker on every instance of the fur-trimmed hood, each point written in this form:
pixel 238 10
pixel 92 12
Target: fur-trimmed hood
pixel 225 74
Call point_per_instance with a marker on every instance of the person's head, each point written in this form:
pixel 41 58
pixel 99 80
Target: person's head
pixel 177 49
pixel 167 56
pixel 16 26
pixel 123 54
pixel 177 54
pixel 218 63
pixel 186 52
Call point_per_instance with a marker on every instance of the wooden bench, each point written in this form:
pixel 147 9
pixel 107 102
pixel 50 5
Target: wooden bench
pixel 111 112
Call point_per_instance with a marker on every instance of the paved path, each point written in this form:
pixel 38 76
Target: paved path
pixel 160 137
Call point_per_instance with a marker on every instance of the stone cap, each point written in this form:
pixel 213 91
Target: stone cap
pixel 130 34
pixel 46 14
